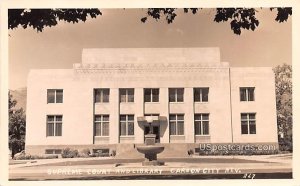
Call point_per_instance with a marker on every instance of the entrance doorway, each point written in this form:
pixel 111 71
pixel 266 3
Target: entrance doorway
pixel 155 131
pixel 154 126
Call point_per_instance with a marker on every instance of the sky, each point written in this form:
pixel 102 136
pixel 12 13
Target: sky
pixel 60 46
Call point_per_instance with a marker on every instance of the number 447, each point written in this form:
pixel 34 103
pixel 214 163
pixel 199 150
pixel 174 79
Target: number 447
pixel 249 176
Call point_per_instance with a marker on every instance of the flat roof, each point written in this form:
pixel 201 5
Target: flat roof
pixel 151 55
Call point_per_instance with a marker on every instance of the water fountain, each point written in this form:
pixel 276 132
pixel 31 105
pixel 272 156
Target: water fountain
pixel 150 149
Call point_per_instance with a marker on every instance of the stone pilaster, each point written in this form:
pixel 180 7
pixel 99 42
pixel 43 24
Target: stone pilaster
pixel 114 116
pixel 189 115
pixel 164 125
pixel 139 111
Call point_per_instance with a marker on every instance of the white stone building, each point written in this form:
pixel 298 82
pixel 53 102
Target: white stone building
pixel 190 96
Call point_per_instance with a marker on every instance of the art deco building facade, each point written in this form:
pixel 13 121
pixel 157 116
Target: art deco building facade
pixel 188 96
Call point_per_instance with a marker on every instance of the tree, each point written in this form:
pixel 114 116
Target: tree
pixel 240 18
pixel 17 126
pixel 283 88
pixel 40 18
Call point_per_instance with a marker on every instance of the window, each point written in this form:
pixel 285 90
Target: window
pixel 101 95
pixel 127 95
pixel 101 125
pixel 127 125
pixel 176 94
pixel 201 124
pixel 176 124
pixel 248 122
pixel 53 151
pixel 201 94
pixel 151 95
pixel 247 93
pixel 54 95
pixel 54 125
pixel 151 114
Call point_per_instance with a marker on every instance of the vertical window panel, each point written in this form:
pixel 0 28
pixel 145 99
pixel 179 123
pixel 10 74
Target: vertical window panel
pixel 126 125
pixel 54 95
pixel 176 122
pixel 248 123
pixel 201 94
pixel 155 95
pixel 51 96
pixel 101 125
pixel 180 128
pixel 247 93
pixel 123 129
pixel 58 129
pixel 101 95
pixel 54 125
pixel 198 127
pixel 172 127
pixel 180 95
pixel 205 127
pixel 105 129
pixel 196 95
pixel 201 124
pixel 205 92
pixel 130 128
pixel 130 95
pixel 59 96
pixel 147 95
pixel 105 95
pixel 244 129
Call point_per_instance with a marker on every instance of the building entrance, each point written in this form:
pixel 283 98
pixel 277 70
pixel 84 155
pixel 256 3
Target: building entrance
pixel 155 130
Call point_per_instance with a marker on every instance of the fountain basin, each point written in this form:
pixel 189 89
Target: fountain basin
pixel 151 152
pixel 150 149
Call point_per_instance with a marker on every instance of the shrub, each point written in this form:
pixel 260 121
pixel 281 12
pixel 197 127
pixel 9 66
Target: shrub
pixel 85 153
pixel 100 153
pixel 285 145
pixel 69 153
pixel 23 157
pixel 34 157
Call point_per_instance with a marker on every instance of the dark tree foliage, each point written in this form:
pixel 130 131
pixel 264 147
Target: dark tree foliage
pixel 240 18
pixel 17 126
pixel 40 18
pixel 284 104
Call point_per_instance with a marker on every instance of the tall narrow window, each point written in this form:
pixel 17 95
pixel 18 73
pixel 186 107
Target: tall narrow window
pixel 201 124
pixel 101 125
pixel 176 124
pixel 126 125
pixel 54 125
pixel 176 94
pixel 151 95
pixel 248 122
pixel 101 95
pixel 54 95
pixel 126 95
pixel 201 94
pixel 247 93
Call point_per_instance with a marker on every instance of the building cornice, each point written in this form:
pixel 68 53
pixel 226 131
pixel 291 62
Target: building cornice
pixel 150 67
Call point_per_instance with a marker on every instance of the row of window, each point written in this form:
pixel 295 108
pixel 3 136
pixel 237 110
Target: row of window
pixel 176 122
pixel 150 95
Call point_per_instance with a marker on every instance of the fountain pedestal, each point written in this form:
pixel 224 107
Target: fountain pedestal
pixel 150 150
